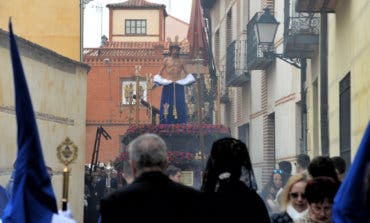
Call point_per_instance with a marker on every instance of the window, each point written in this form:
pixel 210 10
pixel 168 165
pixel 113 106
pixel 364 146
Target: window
pixel 135 27
pixel 243 131
pixel 129 88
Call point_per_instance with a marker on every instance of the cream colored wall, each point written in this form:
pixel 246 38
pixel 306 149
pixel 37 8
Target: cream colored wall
pixel 52 24
pixel 313 126
pixel 176 27
pixel 57 94
pixel 152 23
pixel 135 38
pixel 349 51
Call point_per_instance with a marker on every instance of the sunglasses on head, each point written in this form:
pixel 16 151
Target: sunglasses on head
pixel 278 171
pixel 295 195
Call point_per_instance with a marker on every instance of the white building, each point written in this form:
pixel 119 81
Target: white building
pixel 260 95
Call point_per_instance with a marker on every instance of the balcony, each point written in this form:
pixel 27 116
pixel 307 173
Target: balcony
pixel 236 69
pixel 301 35
pixel 312 6
pixel 255 53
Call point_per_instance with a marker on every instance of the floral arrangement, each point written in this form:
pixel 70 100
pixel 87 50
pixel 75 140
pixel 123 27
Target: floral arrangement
pixel 183 141
pixel 171 129
pixel 177 158
pixel 216 131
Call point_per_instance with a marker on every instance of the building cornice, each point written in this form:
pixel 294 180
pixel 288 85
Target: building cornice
pixel 33 50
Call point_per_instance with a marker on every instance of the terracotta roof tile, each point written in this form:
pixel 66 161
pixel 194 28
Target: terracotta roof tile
pixel 127 50
pixel 132 50
pixel 136 4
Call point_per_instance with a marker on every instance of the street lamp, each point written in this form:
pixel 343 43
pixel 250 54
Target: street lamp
pixel 265 28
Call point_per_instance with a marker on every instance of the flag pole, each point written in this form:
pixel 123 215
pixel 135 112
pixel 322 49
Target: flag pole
pixel 65 188
pixel 66 153
pixel 198 60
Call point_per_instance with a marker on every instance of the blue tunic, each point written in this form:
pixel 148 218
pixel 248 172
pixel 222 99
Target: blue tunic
pixel 173 106
pixel 171 94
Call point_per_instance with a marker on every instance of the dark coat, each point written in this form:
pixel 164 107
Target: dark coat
pixel 152 197
pixel 282 217
pixel 236 203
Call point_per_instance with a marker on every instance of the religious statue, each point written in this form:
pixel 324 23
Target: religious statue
pixel 173 78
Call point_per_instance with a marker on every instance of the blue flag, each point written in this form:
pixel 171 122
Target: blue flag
pixel 4 198
pixel 349 204
pixel 33 197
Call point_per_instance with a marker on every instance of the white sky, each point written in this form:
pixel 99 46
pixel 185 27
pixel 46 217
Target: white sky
pixel 96 17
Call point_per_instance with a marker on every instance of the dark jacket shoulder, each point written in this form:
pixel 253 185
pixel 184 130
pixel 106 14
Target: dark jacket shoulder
pixel 282 217
pixel 152 197
pixel 237 203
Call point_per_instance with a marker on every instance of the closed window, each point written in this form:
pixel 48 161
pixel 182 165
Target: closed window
pixel 135 27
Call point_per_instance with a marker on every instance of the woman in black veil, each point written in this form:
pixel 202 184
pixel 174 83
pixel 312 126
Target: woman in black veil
pixel 230 186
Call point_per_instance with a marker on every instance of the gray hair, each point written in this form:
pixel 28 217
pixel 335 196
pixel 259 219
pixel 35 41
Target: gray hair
pixel 148 151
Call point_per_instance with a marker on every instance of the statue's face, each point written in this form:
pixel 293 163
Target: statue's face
pixel 175 51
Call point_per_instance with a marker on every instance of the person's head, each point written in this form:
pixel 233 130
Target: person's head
pixel 147 152
pixel 294 192
pixel 303 160
pixel 174 173
pixel 286 167
pixel 340 166
pixel 229 161
pixel 322 166
pixel 277 178
pixel 320 193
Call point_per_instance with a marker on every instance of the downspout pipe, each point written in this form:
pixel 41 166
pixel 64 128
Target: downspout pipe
pixel 303 62
pixel 324 82
pixel 82 6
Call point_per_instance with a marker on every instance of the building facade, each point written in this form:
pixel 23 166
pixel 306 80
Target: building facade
pixel 55 25
pixel 176 27
pixel 347 82
pixel 133 54
pixel 259 99
pixel 305 93
pixel 57 87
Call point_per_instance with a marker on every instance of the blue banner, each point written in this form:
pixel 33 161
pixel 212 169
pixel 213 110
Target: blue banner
pixel 33 199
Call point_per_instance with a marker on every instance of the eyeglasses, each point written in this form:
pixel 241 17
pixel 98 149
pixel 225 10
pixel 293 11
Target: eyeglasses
pixel 296 195
pixel 278 171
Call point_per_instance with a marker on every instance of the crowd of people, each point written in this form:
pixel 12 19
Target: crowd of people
pixel 228 192
pixel 149 190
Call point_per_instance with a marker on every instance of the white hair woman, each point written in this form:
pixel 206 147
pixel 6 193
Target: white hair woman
pixel 293 200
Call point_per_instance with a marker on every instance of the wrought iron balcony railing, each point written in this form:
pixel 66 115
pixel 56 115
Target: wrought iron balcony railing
pixel 301 35
pixel 316 5
pixel 256 59
pixel 236 66
pixel 308 24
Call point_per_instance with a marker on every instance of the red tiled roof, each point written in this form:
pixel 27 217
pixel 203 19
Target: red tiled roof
pixel 136 4
pixel 127 50
pixel 131 50
pixel 135 45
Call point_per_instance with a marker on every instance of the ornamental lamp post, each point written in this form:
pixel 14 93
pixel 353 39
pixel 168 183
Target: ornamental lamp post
pixel 265 28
